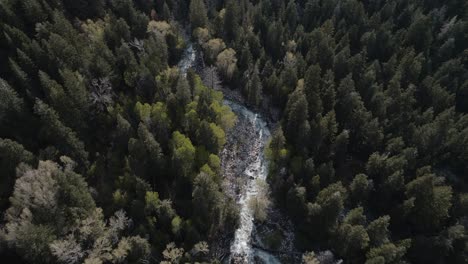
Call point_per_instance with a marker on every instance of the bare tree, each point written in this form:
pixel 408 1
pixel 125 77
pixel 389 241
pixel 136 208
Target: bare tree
pixel 137 44
pixel 101 93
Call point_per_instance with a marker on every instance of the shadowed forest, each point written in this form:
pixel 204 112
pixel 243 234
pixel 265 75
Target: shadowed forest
pixel 113 146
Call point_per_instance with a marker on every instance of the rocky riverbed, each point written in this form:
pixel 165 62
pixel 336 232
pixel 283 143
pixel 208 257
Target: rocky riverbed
pixel 244 167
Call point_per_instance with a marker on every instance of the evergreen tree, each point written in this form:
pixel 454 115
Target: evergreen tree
pixel 198 16
pixel 10 103
pixel 428 202
pixel 183 93
pixel 312 82
pixel 367 95
pixel 291 15
pixel 55 131
pixel 254 88
pixel 182 154
pixel 11 154
pixel 232 17
pixel 296 119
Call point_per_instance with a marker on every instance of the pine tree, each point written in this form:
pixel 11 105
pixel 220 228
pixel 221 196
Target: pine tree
pixel 11 154
pixel 57 97
pixel 360 188
pixel 153 149
pixel 254 88
pixel 291 15
pixel 312 82
pixel 430 202
pixel 183 153
pixel 22 79
pixel 183 93
pixel 231 20
pixel 55 131
pixel 10 103
pixel 207 201
pixel 378 230
pixel 296 116
pixel 198 16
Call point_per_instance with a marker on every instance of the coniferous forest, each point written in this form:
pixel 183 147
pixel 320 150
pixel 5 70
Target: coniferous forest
pixel 138 131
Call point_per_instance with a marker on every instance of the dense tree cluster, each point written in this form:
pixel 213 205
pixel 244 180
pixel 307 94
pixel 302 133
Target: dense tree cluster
pixel 95 114
pixel 369 157
pixel 109 153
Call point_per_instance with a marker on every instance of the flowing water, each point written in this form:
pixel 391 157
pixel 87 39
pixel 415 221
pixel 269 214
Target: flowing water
pixel 244 166
pixel 254 133
pixel 188 59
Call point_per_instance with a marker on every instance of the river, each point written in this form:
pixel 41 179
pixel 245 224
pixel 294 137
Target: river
pixel 244 172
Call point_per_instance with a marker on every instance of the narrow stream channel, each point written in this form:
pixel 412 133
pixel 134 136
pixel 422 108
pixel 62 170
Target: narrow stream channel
pixel 247 142
pixel 252 176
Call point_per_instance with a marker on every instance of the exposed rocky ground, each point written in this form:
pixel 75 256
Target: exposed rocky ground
pixel 271 241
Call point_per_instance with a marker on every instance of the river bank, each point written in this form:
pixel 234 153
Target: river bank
pixel 244 168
